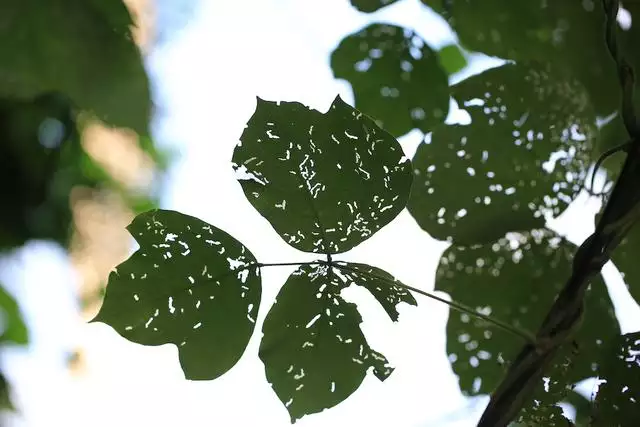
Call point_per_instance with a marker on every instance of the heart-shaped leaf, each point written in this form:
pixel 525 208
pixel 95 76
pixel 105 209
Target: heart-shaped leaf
pixel 618 400
pixel 190 284
pixel 314 352
pixel 325 182
pixel 83 49
pixel 523 155
pixel 516 280
pixel 396 77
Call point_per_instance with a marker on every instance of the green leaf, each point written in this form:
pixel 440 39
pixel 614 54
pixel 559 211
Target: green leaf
pixel 325 182
pixel 83 49
pixel 452 59
pixel 369 6
pixel 314 352
pixel 396 78
pixel 524 154
pixel 12 327
pixel 617 402
pixel 190 284
pixel 625 258
pixel 516 280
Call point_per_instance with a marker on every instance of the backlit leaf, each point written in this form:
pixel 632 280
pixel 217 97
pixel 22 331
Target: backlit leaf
pixel 190 284
pixel 524 154
pixel 396 77
pixel 325 182
pixel 314 352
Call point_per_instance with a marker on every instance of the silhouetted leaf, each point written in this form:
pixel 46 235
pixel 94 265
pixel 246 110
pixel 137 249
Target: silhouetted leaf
pixel 83 49
pixel 369 6
pixel 618 399
pixel 325 182
pixel 525 153
pixel 452 59
pixel 190 284
pixel 396 77
pixel 314 352
pixel 516 280
pixel 12 327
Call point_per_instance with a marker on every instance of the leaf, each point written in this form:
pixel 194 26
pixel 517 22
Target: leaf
pixel 369 6
pixel 524 154
pixel 383 286
pixel 190 284
pixel 314 352
pixel 452 59
pixel 396 77
pixel 625 258
pixel 516 280
pixel 83 49
pixel 618 398
pixel 12 327
pixel 325 182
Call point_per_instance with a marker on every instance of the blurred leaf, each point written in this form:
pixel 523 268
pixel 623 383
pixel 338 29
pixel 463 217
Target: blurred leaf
pixel 314 352
pixel 369 6
pixel 190 284
pixel 452 59
pixel 6 404
pixel 525 153
pixel 618 399
pixel 325 182
pixel 12 327
pixel 396 78
pixel 516 279
pixel 81 48
pixel 625 258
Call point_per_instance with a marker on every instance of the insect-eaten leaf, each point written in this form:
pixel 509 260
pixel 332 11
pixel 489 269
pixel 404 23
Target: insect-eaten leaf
pixel 618 399
pixel 313 349
pixel 524 155
pixel 516 279
pixel 190 284
pixel 396 77
pixel 325 182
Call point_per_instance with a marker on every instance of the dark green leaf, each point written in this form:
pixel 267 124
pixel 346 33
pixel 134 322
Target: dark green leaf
pixel 326 182
pixel 369 6
pixel 83 49
pixel 6 403
pixel 452 59
pixel 625 257
pixel 314 352
pixel 190 284
pixel 383 286
pixel 12 327
pixel 523 155
pixel 396 78
pixel 618 399
pixel 516 280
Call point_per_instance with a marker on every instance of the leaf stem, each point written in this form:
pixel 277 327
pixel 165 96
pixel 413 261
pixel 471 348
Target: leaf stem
pixel 525 335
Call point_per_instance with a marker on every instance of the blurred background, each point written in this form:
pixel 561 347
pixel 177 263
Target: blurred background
pixel 207 61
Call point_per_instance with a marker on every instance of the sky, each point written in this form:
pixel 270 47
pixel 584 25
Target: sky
pixel 212 60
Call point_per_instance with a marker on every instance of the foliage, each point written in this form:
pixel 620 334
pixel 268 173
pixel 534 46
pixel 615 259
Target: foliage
pixel 328 182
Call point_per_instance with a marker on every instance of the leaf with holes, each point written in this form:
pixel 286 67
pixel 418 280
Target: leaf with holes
pixel 396 77
pixel 190 284
pixel 523 155
pixel 83 49
pixel 314 352
pixel 618 399
pixel 369 6
pixel 516 280
pixel 325 182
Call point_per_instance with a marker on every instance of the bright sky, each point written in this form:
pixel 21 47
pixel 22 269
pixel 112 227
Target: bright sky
pixel 206 79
